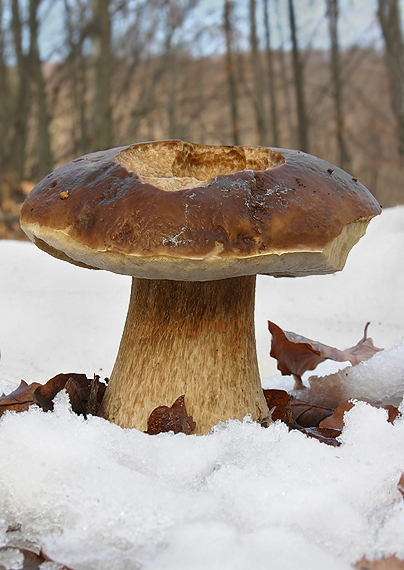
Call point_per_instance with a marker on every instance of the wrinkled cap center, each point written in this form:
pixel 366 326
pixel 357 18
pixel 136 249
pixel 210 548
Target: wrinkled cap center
pixel 176 165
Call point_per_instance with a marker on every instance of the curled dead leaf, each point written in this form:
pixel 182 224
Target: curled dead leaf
pixel 176 419
pixel 390 563
pixel 400 484
pixel 296 354
pixel 20 399
pixel 309 415
pixel 85 394
pixel 279 401
pixel 336 420
pixel 291 410
pixel 301 416
pixel 31 560
pixel 324 435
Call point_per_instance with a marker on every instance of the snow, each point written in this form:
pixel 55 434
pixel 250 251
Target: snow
pixel 95 496
pixel 379 380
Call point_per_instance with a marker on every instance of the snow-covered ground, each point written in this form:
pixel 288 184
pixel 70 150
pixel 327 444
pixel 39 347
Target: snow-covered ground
pixel 96 496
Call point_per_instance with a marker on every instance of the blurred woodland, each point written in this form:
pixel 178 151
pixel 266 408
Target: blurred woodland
pixel 78 76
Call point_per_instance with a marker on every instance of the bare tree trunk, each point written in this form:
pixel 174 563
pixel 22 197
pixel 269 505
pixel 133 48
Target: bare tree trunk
pixel 390 20
pixel 78 76
pixel 44 156
pixel 172 97
pixel 230 71
pixel 332 13
pixel 141 93
pixel 284 73
pixel 299 86
pixel 171 68
pixel 257 72
pixel 5 101
pixel 271 77
pixel 102 62
pixel 21 107
pixel 82 88
pixel 177 13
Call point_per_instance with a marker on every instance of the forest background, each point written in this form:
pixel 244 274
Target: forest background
pixel 323 76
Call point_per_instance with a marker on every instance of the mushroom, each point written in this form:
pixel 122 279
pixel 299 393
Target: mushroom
pixel 193 225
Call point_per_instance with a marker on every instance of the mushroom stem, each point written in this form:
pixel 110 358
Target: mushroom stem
pixel 187 338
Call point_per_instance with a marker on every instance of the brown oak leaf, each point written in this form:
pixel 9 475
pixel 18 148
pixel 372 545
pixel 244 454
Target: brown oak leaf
pixel 324 435
pixel 291 410
pixel 301 416
pixel 390 563
pixel 46 392
pixel 279 404
pixel 296 354
pixel 19 400
pixel 31 561
pixel 309 415
pixel 336 420
pixel 176 419
pixel 400 484
pixel 85 394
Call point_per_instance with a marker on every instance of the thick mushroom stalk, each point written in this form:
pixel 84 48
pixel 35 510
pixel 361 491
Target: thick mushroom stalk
pixel 191 338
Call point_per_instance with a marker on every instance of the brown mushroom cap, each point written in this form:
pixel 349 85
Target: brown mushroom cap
pixel 184 218
pixel 182 211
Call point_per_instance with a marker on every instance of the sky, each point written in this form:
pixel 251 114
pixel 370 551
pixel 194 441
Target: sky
pixel 358 25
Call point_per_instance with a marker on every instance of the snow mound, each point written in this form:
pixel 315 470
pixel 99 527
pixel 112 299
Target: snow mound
pixel 96 496
pixel 379 380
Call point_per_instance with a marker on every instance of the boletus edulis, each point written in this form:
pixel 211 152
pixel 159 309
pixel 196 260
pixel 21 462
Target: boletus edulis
pixel 193 225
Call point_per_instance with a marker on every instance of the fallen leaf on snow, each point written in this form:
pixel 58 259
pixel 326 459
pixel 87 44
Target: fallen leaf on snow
pixel 291 410
pixel 10 558
pixel 400 484
pixel 309 415
pixel 322 434
pixel 176 419
pixel 296 354
pixel 336 420
pixel 79 388
pixel 279 403
pixel 390 563
pixel 324 424
pixel 20 399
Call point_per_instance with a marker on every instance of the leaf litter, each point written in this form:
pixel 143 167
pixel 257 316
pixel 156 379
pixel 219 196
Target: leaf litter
pixel 14 557
pixel 85 395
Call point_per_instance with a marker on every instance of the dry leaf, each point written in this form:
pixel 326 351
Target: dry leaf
pixel 32 560
pixel 364 350
pixel 400 484
pixel 176 419
pixel 94 401
pixel 79 388
pixel 390 563
pixel 20 399
pixel 296 354
pixel 301 416
pixel 291 410
pixel 279 401
pixel 336 420
pixel 309 415
pixel 46 393
pixel 322 434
